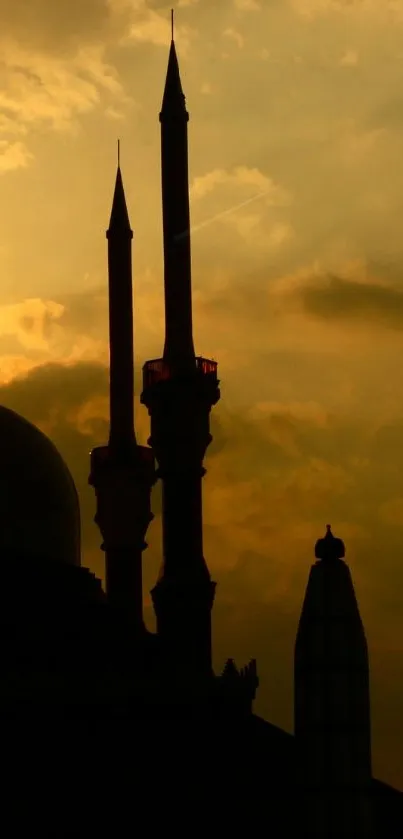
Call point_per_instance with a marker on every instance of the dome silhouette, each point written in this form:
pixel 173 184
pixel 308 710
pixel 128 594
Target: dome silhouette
pixel 39 507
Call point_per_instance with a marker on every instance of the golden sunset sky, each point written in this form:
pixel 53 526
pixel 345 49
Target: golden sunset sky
pixel 296 149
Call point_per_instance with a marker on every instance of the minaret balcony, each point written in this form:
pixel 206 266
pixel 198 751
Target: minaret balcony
pixel 158 370
pixel 106 459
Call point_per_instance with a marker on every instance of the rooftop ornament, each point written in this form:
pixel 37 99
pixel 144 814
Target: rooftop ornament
pixel 329 547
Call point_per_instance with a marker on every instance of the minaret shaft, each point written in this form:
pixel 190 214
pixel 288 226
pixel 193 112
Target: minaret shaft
pixel 121 376
pixel 124 582
pixel 182 525
pixel 178 348
pixel 183 596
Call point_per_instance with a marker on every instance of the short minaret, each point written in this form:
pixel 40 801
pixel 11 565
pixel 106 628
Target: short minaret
pixel 122 473
pixel 179 391
pixel 332 703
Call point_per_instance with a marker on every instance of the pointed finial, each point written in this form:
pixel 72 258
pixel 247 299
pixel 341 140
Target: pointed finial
pixel 119 219
pixel 172 24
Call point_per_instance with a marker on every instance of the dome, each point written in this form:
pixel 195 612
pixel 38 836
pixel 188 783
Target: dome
pixel 39 508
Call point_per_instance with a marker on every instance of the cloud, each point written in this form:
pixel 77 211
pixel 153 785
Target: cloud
pixel 392 9
pixel 30 321
pixel 206 88
pixel 234 36
pixel 336 298
pixel 349 58
pixel 258 228
pixel 153 26
pixel 13 155
pixel 50 25
pixel 391 512
pixel 53 69
pixel 34 332
pixel 238 178
pixel 40 88
pixel 247 5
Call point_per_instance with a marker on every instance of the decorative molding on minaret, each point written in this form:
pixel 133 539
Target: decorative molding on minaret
pixel 122 473
pixel 179 391
pixel 332 702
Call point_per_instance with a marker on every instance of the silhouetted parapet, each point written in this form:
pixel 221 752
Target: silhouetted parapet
pixel 230 673
pixel 331 701
pixel 238 687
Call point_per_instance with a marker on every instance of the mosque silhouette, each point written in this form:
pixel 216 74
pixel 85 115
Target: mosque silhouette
pixel 71 651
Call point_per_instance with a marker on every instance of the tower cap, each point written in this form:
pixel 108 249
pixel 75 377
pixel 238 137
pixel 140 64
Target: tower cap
pixel 329 547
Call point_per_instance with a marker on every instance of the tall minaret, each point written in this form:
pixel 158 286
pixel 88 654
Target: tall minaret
pixel 178 349
pixel 331 703
pixel 122 472
pixel 179 391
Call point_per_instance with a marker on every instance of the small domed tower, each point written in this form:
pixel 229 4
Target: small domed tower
pixel 331 702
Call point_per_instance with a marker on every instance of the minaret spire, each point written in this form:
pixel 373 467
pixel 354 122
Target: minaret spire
pixel 121 371
pixel 179 348
pixel 172 24
pixel 122 472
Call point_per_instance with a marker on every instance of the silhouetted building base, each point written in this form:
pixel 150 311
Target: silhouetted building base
pixel 93 701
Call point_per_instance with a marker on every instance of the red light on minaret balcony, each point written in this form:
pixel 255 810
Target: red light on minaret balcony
pixel 159 370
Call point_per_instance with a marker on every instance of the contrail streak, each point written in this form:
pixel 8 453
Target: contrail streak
pixel 221 215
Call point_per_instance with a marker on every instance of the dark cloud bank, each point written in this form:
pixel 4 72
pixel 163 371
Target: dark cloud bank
pixel 335 298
